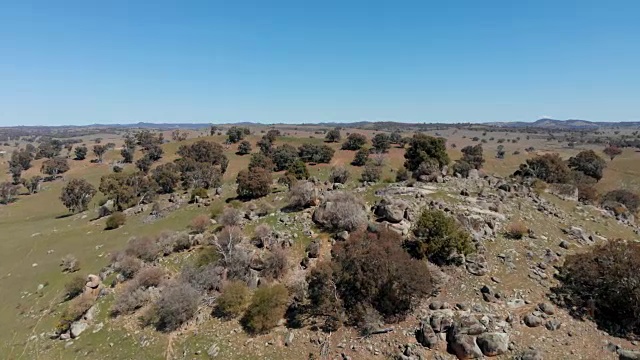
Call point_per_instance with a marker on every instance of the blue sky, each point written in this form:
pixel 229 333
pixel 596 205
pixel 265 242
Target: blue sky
pixel 82 62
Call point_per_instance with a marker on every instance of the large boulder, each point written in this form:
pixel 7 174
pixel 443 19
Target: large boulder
pixel 426 336
pixel 392 211
pixel 78 328
pixel 628 354
pixel 493 344
pixel 464 347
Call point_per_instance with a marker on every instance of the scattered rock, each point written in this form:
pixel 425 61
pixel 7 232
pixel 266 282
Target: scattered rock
pixel 493 344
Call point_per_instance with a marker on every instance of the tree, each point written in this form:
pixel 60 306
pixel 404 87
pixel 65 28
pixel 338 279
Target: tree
pixel 589 163
pixel 144 164
pixel 500 152
pixel 333 135
pixel 244 148
pixel 198 174
pixel 21 159
pixel 298 170
pixel 259 160
pixel 54 166
pixel 395 137
pixel 33 184
pixel 265 144
pixel 77 194
pixel 381 143
pixel 127 154
pixel 369 274
pixel 16 173
pixel 80 152
pixel 49 148
pixel 361 157
pixel 424 147
pixel 473 156
pixel 254 183
pixel 612 151
pixel 371 173
pixel 177 135
pixel 167 177
pixel 153 152
pixel 312 153
pixel 204 151
pixel 284 156
pixel 548 167
pixel 235 134
pixel 438 237
pixel 273 134
pixel 354 141
pixel 99 150
pixel 127 189
pixel 8 192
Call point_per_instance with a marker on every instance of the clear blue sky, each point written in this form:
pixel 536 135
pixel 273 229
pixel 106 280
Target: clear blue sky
pixel 82 62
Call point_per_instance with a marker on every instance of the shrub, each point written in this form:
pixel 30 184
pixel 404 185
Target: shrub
pixel 361 157
pixel 200 223
pixel 128 266
pixel 603 284
pixel 438 237
pixel 371 173
pixel 516 230
pixel 473 156
pixel 588 194
pixel 276 264
pixel 341 211
pixel 260 160
pixel 402 174
pixel 263 236
pixel 266 309
pixel 150 276
pixel 354 141
pixel 131 298
pixel 199 192
pixel 233 300
pixel 368 271
pixel 339 174
pixel 70 263
pixel 254 184
pixel 230 217
pixel 624 197
pixel 144 248
pixel 204 278
pixel 166 177
pixel 177 304
pixel 303 194
pixel 298 170
pixel 77 307
pixel 206 256
pixel 612 151
pixel 548 167
pixel 462 168
pixel 116 220
pixel 74 287
pixel 284 156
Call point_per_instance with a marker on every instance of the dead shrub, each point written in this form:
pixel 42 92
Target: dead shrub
pixel 205 278
pixel 69 264
pixel 145 248
pixel 516 230
pixel 151 276
pixel 128 266
pixel 267 307
pixel 339 174
pixel 200 223
pixel 230 217
pixel 233 300
pixel 341 211
pixel 263 236
pixel 131 298
pixel 276 264
pixel 302 195
pixel 177 304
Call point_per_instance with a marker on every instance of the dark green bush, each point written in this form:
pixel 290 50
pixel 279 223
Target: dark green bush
pixel 116 220
pixel 267 307
pixel 438 237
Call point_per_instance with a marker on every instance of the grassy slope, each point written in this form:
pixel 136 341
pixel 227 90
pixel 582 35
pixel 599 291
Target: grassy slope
pixel 35 224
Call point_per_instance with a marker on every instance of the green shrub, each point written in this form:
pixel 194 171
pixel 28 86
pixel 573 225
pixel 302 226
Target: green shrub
pixel 74 287
pixel 402 174
pixel 199 192
pixel 371 173
pixel 77 307
pixel 267 307
pixel 602 284
pixel 233 300
pixel 116 220
pixel 438 237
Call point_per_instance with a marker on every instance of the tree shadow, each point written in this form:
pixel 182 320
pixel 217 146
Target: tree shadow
pixel 63 216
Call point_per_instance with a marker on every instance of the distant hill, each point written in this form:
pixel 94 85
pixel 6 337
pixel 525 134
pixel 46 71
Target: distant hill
pixel 546 123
